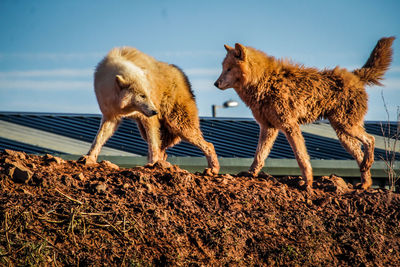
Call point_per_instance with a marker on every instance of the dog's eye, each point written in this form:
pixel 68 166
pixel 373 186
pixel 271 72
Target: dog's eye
pixel 142 96
pixel 228 70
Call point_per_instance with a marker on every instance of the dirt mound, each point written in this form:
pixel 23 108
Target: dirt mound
pixel 56 212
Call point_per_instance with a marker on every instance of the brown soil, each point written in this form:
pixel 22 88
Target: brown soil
pixel 56 213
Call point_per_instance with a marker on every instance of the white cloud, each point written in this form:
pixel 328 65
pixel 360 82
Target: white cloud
pixel 45 85
pixel 47 73
pixel 391 84
pixel 203 72
pixel 202 84
pixel 51 106
pixel 88 72
pixel 44 80
pixel 394 69
pixel 188 53
pixel 52 56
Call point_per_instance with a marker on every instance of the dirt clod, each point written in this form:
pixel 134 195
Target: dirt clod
pixel 101 188
pixel 15 154
pixel 19 173
pixel 80 176
pixel 50 159
pixel 74 214
pixel 109 164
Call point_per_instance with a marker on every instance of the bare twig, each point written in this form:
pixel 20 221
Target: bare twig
pixel 46 240
pixel 71 224
pixel 14 221
pixel 94 213
pixel 390 143
pixel 50 221
pixel 70 198
pixel 114 227
pixel 124 258
pixel 6 227
pixel 54 259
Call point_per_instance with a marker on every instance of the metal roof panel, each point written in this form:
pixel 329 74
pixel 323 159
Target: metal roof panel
pixel 232 137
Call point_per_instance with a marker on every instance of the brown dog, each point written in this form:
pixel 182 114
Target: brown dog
pixel 283 95
pixel 129 83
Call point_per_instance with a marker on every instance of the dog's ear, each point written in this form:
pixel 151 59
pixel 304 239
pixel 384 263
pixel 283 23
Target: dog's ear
pixel 121 82
pixel 240 51
pixel 228 48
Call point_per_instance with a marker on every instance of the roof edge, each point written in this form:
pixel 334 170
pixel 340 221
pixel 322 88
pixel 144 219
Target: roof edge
pixel 65 114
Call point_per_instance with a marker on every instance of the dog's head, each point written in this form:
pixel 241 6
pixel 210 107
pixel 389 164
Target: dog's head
pixel 135 96
pixel 234 68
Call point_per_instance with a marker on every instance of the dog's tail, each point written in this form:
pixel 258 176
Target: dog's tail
pixel 378 62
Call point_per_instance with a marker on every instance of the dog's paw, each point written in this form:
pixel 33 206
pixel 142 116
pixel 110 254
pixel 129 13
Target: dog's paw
pixel 160 164
pixel 306 187
pixel 210 171
pixel 309 190
pixel 86 160
pixel 149 165
pixel 362 186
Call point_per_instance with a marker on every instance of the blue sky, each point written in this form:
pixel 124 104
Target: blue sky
pixel 49 49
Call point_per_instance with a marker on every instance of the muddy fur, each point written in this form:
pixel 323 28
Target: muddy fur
pixel 129 83
pixel 282 95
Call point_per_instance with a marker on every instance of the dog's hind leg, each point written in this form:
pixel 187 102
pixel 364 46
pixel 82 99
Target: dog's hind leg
pixel 265 142
pixel 168 140
pixel 106 130
pixel 296 141
pixel 194 136
pixel 353 146
pixel 350 137
pixel 162 155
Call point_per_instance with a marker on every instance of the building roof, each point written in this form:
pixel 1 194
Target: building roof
pixel 232 137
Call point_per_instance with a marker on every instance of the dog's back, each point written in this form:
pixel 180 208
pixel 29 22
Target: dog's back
pixel 307 93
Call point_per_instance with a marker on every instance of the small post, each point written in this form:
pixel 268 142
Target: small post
pixel 214 110
pixel 227 104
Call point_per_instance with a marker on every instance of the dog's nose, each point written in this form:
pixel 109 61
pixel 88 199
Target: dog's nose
pixel 216 84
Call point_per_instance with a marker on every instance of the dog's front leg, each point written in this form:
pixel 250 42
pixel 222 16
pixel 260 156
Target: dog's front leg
pixel 296 141
pixel 106 130
pixel 265 141
pixel 152 129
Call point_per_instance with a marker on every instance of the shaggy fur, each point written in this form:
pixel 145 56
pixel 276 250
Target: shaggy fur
pixel 282 95
pixel 129 83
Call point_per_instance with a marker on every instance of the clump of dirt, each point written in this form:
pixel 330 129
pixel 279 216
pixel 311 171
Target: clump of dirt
pixel 57 212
